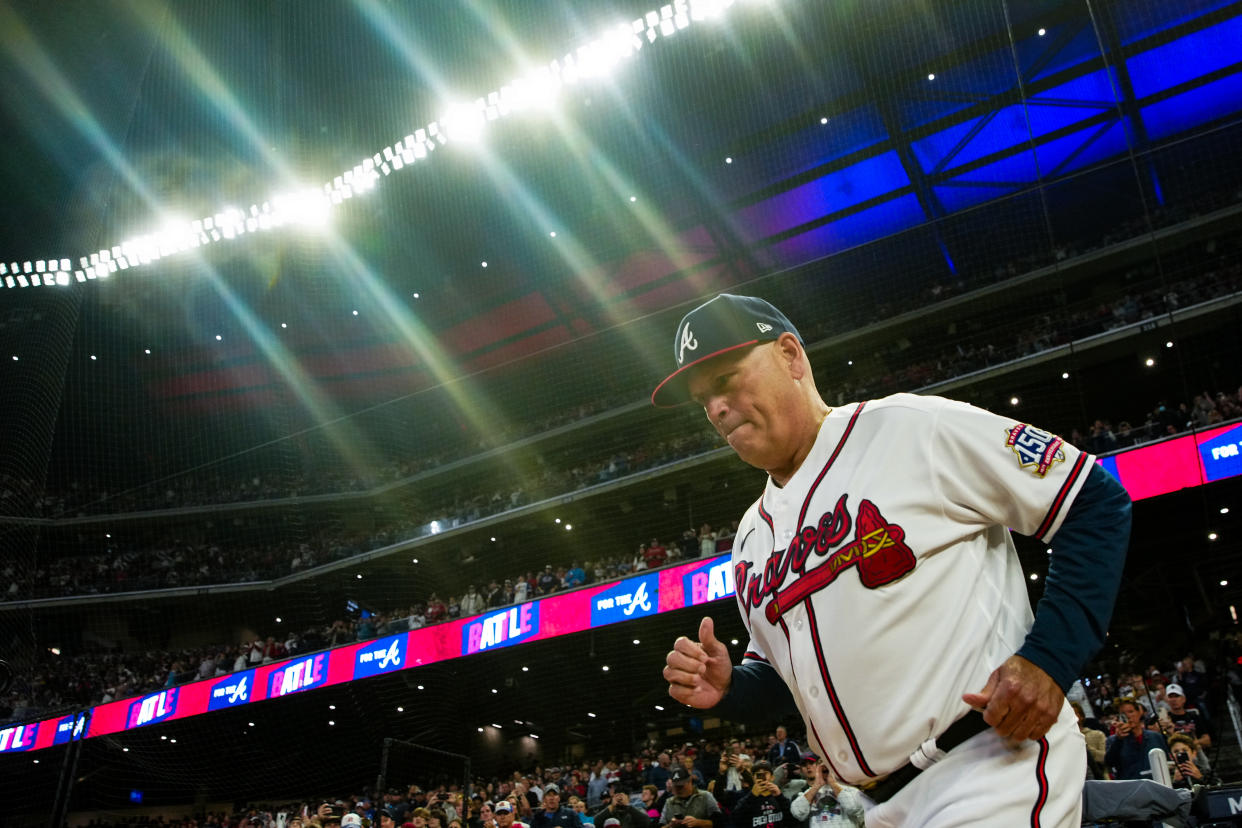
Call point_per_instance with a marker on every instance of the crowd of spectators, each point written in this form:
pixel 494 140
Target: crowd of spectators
pixel 909 371
pixel 724 781
pixel 707 783
pixel 123 566
pixel 67 681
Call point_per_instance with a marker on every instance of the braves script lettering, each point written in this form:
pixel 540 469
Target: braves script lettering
pixel 878 549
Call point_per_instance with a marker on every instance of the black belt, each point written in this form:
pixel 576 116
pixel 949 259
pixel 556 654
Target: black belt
pixel 969 725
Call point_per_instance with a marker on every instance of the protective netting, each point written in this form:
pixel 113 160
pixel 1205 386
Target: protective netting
pixel 284 441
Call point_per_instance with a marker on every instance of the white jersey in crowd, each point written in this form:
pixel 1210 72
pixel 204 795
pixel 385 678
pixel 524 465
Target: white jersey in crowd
pixel 881 583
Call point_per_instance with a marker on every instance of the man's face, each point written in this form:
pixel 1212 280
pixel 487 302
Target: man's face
pixel 1132 713
pixel 747 396
pixel 504 818
pixel 780 734
pixel 1176 701
pixel 551 800
pixel 620 799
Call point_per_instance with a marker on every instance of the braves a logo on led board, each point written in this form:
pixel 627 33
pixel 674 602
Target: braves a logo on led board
pixel 70 729
pixel 709 582
pixel 153 708
pixel 501 629
pixel 299 675
pixel 631 598
pixel 21 737
pixel 231 691
pixel 383 655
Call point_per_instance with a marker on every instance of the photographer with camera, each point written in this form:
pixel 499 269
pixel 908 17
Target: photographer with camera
pixel 1186 772
pixel 733 778
pixel 765 805
pixel 1128 747
pixel 827 802
pixel 620 809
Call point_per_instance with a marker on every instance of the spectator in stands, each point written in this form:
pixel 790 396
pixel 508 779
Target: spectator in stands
pixel 733 776
pixel 707 541
pixel 826 802
pixel 1186 769
pixel 471 602
pixel 689 807
pixel 548 582
pixel 552 815
pixel 1193 683
pixel 1128 748
pixel 620 809
pixel 1189 721
pixel 655 555
pixel 1096 744
pixel 764 805
pixel 575 576
pixel 505 818
pixel 651 804
pixel 784 751
pixel 659 773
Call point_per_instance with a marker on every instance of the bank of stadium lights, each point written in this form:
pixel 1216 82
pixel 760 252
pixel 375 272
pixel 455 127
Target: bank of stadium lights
pixel 1212 536
pixel 1224 510
pixel 537 88
pixel 1034 576
pixel 1042 32
pixel 1149 362
pixel 1224 582
pixel 1014 400
pixel 931 76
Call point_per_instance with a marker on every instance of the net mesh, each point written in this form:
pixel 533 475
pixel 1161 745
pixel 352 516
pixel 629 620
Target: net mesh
pixel 304 438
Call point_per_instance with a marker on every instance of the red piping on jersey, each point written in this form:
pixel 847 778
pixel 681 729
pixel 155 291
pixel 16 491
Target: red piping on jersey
pixel 832 693
pixel 753 656
pixel 1050 518
pixel 810 719
pixel 1041 777
pixel 845 435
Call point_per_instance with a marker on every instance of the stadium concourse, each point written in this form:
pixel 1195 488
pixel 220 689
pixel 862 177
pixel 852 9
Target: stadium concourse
pixel 325 329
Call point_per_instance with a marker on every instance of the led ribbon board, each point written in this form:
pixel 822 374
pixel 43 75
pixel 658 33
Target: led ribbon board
pixel 1146 471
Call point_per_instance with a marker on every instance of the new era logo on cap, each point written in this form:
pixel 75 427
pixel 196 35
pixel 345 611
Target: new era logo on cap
pixel 718 326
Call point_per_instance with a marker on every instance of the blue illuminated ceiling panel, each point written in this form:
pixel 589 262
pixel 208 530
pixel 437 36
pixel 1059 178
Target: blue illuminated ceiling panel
pixel 1207 103
pixel 1006 148
pixel 1186 58
pixel 1156 16
pixel 851 231
pixel 831 193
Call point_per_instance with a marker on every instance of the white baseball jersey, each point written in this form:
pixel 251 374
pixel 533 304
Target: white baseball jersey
pixel 881 581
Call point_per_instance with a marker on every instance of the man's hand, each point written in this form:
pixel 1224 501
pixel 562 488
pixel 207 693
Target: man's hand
pixel 1020 701
pixel 698 672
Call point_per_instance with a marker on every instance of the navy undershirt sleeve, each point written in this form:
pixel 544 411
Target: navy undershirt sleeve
pixel 1084 574
pixel 756 695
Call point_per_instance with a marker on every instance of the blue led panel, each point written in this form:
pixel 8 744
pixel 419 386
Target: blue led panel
pixel 1186 58
pixel 961 196
pixel 1135 23
pixel 868 225
pixel 1195 107
pixel 832 192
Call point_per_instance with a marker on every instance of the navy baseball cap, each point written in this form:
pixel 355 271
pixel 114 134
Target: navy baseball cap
pixel 718 326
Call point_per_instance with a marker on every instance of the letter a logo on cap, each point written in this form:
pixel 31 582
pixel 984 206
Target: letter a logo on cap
pixel 687 341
